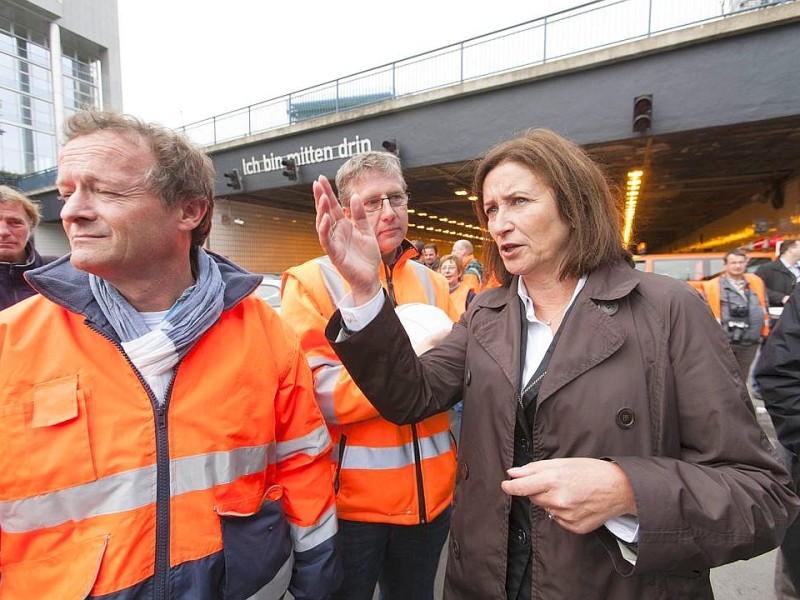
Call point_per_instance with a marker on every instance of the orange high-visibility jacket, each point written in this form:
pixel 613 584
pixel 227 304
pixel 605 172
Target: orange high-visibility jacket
pixel 224 491
pixel 470 276
pixel 462 294
pixel 711 291
pixel 385 473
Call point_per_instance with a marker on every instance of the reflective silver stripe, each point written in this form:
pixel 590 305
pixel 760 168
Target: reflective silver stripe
pixel 117 493
pixel 327 372
pixel 333 280
pixel 315 362
pixel 424 275
pixel 395 457
pixel 313 444
pixel 306 538
pixel 324 383
pixel 132 489
pixel 436 445
pixel 276 589
pixel 204 471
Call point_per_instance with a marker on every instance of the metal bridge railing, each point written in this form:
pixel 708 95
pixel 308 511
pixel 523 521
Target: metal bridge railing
pixel 590 26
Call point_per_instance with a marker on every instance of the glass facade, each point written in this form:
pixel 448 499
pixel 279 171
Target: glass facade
pixel 81 75
pixel 27 117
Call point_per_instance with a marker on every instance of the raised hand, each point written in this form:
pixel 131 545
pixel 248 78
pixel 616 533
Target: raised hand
pixel 349 242
pixel 580 494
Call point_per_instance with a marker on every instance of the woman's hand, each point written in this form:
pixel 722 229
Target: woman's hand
pixel 350 245
pixel 580 494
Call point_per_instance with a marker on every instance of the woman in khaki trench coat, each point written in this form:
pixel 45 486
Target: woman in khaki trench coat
pixel 608 446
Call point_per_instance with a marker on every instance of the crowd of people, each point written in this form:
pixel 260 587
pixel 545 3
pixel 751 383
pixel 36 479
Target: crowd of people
pixel 175 437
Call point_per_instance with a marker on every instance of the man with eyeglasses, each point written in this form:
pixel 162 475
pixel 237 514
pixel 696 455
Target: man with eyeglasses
pixel 394 483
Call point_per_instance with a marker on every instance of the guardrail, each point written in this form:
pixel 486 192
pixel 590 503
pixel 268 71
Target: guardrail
pixel 590 26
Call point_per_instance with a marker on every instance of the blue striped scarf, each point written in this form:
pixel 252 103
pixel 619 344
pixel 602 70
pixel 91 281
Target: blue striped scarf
pixel 158 351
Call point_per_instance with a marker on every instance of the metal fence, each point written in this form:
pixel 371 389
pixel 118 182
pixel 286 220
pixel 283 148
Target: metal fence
pixel 590 26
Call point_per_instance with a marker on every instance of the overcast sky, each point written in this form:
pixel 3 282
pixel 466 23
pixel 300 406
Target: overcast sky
pixel 183 60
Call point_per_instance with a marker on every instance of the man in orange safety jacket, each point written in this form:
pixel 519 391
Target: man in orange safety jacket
pixel 394 483
pixel 159 437
pixel 738 300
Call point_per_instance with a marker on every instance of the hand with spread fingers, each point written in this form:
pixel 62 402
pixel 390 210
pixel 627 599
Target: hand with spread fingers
pixel 350 244
pixel 580 494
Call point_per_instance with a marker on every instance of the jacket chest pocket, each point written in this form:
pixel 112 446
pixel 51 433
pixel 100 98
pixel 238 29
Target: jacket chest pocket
pixel 44 440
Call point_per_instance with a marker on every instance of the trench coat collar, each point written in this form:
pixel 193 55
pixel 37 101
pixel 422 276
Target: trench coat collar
pixel 590 335
pixel 498 331
pixel 593 331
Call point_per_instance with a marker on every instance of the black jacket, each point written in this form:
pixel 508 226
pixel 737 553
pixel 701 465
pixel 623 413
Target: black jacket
pixel 13 287
pixel 778 375
pixel 778 280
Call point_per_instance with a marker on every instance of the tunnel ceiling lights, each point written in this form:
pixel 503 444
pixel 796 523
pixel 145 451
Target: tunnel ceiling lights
pixel 458 234
pixel 632 189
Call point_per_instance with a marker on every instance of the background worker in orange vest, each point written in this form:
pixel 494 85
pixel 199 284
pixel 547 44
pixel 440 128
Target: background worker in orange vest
pixel 158 433
pixel 738 301
pixel 394 483
pixel 461 294
pixel 473 268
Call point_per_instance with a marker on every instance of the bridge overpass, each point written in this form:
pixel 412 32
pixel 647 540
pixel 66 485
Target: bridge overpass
pixel 724 134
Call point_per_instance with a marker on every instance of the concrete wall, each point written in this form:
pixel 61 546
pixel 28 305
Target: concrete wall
pixel 270 240
pixel 51 240
pixel 727 233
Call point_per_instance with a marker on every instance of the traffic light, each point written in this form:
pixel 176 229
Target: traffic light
pixel 642 113
pixel 391 147
pixel 289 168
pixel 234 180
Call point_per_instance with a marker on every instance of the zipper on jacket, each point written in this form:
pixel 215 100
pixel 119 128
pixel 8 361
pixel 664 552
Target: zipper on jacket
pixel 414 435
pixel 161 571
pixel 418 468
pixel 161 579
pixel 389 283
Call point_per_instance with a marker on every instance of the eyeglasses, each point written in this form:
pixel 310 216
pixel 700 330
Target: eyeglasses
pixel 396 200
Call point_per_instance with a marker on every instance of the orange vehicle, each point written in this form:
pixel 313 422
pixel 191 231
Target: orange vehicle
pixel 694 267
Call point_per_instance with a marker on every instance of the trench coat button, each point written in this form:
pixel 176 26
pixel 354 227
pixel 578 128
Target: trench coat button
pixel 468 377
pixel 464 470
pixel 610 307
pixel 456 549
pixel 626 418
pixel 522 536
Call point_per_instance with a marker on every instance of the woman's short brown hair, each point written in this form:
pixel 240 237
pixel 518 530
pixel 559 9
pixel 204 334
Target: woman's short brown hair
pixel 582 194
pixel 455 260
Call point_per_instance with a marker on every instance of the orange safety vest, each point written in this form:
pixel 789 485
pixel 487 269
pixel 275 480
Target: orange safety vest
pixel 470 279
pixel 460 295
pixel 711 291
pixel 384 473
pixel 212 496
